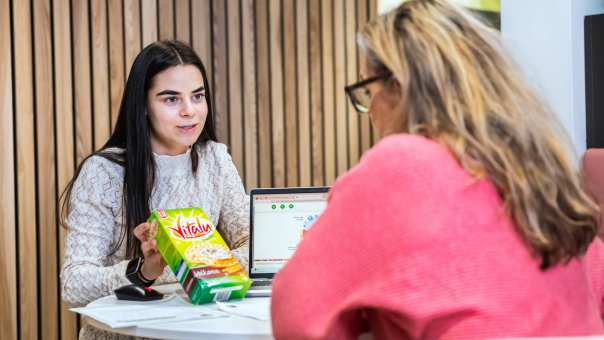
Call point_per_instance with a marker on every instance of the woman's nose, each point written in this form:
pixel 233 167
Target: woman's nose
pixel 187 109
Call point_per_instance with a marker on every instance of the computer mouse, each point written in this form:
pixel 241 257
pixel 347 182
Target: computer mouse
pixel 136 293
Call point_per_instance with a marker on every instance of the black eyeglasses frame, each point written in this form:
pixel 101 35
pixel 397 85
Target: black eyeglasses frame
pixel 350 89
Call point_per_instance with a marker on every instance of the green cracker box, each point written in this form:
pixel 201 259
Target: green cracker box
pixel 198 256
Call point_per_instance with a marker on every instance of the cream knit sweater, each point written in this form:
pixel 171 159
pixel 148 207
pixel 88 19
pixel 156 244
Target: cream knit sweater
pixel 94 223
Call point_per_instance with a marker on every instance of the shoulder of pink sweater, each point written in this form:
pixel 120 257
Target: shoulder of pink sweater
pixel 595 252
pixel 594 262
pixel 405 156
pixel 407 146
pixel 594 257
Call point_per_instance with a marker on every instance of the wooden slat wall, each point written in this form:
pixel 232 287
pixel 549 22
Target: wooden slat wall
pixel 303 92
pixel 46 168
pixel 290 101
pixel 234 79
pixel 263 84
pixel 316 93
pixel 25 190
pixel 66 142
pixel 327 82
pixel 277 69
pixel 250 108
pixel 275 21
pixel 8 233
pixel 116 56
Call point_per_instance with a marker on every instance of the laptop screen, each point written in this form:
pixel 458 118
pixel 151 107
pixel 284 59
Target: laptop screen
pixel 279 221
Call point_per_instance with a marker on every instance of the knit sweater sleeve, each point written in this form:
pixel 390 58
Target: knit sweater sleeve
pixel 95 200
pixel 594 260
pixel 234 222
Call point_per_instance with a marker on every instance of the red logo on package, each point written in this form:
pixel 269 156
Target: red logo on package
pixel 193 229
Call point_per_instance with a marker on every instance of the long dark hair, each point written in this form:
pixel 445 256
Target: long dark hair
pixel 132 134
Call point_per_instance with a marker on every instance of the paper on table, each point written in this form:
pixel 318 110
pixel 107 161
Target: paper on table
pixel 245 310
pixel 128 315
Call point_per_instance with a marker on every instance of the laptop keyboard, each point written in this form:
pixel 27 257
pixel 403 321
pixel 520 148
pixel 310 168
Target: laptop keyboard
pixel 262 283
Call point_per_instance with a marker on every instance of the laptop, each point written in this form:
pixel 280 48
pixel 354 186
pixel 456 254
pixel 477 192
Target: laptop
pixel 279 218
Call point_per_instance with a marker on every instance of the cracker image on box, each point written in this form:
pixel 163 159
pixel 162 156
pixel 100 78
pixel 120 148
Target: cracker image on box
pixel 198 256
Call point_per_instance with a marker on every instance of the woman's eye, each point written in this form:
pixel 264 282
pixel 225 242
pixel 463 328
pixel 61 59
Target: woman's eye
pixel 198 97
pixel 367 92
pixel 171 100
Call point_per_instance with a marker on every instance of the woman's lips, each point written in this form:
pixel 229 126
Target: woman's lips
pixel 187 128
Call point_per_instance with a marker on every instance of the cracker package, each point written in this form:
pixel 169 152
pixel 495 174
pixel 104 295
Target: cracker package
pixel 198 256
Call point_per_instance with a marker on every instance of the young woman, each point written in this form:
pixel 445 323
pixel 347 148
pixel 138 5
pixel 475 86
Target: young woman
pixel 162 154
pixel 466 221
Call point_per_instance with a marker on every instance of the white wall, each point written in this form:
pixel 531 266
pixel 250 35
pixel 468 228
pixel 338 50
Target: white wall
pixel 546 38
pixel 386 5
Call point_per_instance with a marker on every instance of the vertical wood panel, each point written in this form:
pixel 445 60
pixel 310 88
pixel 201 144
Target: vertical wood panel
pixel 351 77
pixel 26 189
pixel 236 131
pixel 372 10
pixel 372 14
pixel 276 80
pixel 340 83
pixel 100 73
pixel 328 91
pixel 364 118
pixel 132 32
pixel 8 251
pixel 149 21
pixel 116 57
pixel 64 129
pixel 304 144
pixel 316 98
pixel 166 19
pixel 82 82
pixel 221 81
pixel 183 22
pixel 46 171
pixel 249 94
pixel 290 75
pixel 264 99
pixel 202 35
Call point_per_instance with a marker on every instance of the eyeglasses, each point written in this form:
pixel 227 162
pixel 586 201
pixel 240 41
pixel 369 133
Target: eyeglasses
pixel 359 96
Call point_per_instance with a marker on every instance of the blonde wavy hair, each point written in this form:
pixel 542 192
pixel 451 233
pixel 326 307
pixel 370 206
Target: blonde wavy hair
pixel 459 87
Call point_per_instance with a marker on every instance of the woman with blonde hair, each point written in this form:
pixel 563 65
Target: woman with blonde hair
pixel 468 219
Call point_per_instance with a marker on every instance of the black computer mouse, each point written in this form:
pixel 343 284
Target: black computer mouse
pixel 137 293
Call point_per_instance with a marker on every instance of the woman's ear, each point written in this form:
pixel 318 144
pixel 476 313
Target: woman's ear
pixel 394 84
pixel 393 88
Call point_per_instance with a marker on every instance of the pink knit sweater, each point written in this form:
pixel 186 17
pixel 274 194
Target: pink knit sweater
pixel 412 247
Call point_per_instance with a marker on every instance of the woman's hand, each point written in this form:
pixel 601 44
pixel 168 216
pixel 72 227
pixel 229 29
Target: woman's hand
pixel 154 264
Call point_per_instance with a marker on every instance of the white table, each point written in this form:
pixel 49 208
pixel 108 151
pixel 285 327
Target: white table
pixel 228 326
